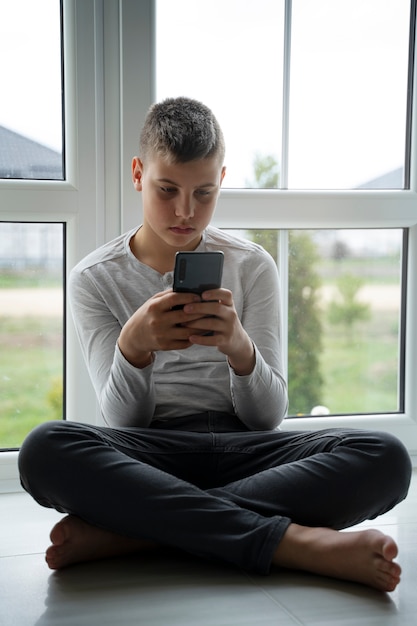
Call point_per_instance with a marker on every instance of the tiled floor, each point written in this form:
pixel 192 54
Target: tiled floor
pixel 178 590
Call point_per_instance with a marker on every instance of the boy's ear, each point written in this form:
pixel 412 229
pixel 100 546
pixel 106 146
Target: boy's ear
pixel 223 174
pixel 137 171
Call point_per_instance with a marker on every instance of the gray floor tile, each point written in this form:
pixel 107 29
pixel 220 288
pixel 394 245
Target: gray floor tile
pixel 179 590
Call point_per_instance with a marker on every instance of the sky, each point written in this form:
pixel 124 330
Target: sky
pixel 30 98
pixel 348 80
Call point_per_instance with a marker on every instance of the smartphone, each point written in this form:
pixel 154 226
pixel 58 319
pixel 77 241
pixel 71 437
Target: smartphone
pixel 196 272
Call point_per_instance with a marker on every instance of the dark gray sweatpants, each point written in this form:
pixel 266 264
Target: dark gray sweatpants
pixel 222 492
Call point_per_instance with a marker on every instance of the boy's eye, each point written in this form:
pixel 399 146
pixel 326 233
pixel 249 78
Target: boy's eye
pixel 202 192
pixel 168 189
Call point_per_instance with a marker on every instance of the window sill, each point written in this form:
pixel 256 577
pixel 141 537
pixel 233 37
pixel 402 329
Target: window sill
pixel 9 475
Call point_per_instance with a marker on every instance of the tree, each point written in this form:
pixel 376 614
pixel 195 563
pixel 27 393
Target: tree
pixel 340 250
pixel 304 324
pixel 348 310
pixel 266 172
pixel 305 381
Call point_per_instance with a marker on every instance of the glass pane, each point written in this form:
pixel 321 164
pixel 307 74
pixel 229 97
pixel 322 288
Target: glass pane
pixel 229 56
pixel 31 94
pixel 348 93
pixel 344 312
pixel 344 321
pixel 31 328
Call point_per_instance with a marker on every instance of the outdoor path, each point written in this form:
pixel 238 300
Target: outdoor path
pixel 37 301
pixel 48 301
pixel 380 297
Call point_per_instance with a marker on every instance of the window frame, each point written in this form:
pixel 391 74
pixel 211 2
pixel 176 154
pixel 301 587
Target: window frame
pixel 109 70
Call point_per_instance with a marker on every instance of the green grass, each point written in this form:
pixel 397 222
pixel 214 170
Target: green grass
pixel 28 280
pixel 360 371
pixel 30 363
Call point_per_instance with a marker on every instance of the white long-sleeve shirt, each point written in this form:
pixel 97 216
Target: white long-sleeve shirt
pixel 110 284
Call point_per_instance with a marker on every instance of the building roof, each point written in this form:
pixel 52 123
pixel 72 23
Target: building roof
pixel 23 158
pixel 391 180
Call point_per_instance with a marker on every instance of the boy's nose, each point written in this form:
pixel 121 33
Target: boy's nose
pixel 185 208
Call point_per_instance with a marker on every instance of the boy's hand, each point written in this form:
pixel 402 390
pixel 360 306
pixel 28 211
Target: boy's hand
pixel 156 325
pixel 217 315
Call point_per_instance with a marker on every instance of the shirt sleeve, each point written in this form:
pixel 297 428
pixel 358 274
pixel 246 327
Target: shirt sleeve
pixel 125 393
pixel 260 399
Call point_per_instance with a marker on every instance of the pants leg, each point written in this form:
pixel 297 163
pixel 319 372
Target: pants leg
pixel 334 478
pixel 97 474
pixel 223 495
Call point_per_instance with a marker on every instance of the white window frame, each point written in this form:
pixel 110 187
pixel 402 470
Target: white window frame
pixel 109 85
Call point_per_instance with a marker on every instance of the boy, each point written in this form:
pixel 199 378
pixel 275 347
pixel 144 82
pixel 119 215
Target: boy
pixel 190 456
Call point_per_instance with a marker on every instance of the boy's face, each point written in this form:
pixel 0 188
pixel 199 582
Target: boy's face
pixel 179 199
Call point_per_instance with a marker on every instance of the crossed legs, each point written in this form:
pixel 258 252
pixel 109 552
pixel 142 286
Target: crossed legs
pixel 224 521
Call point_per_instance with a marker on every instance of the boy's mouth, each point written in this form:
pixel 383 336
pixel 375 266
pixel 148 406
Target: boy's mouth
pixel 182 230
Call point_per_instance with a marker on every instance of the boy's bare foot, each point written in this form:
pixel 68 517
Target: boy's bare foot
pixel 76 541
pixel 364 556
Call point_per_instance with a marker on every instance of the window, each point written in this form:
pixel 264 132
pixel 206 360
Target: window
pixel 32 250
pixel 311 94
pixel 113 70
pixel 44 219
pixel 344 324
pixel 348 94
pixel 231 58
pixel 31 327
pixel 31 101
